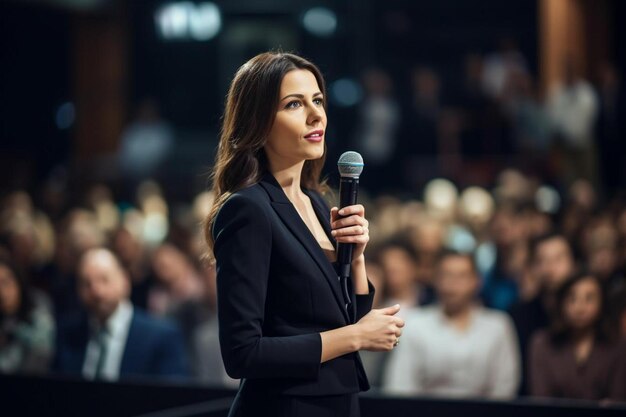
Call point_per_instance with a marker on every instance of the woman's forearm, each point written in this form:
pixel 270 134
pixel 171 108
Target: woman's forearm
pixel 359 276
pixel 338 342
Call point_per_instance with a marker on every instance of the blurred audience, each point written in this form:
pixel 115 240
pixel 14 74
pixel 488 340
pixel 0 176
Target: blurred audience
pixel 112 339
pixel 524 202
pixel 573 109
pixel 398 262
pixel 579 355
pixel 455 348
pixel 376 129
pixel 611 127
pixel 145 143
pixel 26 325
pixel 177 280
pixel 551 262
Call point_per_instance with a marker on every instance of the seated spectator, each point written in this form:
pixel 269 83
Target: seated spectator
pixel 133 255
pixel 115 340
pixel 455 348
pixel 177 281
pixel 579 356
pixel 399 267
pixel 26 325
pixel 198 320
pixel 551 261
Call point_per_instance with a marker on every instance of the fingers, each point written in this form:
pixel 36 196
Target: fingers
pixel 353 220
pixel 357 209
pixel 334 214
pixel 391 310
pixel 349 231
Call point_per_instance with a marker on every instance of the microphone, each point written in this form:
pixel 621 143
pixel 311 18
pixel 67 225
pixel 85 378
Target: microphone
pixel 350 166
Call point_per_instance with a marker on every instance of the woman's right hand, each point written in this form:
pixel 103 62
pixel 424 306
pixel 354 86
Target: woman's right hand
pixel 379 329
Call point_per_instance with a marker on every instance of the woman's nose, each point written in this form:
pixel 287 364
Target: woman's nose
pixel 315 115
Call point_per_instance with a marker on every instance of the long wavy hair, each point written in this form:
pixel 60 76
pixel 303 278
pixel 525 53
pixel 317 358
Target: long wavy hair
pixel 249 113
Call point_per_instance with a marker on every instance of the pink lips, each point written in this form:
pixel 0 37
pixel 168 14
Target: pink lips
pixel 315 136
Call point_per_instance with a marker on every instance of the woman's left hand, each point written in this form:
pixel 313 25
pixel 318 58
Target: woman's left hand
pixel 350 226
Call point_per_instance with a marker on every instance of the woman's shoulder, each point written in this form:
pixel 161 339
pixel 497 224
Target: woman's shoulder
pixel 253 195
pixel 250 202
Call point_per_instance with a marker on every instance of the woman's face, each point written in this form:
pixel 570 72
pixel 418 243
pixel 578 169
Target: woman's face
pixel 298 130
pixel 582 305
pixel 9 292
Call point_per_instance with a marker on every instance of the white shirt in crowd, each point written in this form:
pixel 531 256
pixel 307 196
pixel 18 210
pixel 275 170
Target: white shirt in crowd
pixel 573 111
pixel 118 326
pixel 435 358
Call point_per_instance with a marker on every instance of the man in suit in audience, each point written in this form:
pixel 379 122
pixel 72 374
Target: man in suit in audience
pixel 115 340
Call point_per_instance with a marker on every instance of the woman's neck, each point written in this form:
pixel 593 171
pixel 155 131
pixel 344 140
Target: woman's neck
pixel 583 344
pixel 289 177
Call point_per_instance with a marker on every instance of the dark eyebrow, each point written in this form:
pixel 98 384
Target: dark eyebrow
pixel 300 96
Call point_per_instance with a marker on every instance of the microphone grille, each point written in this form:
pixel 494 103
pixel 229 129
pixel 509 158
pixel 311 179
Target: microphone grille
pixel 350 164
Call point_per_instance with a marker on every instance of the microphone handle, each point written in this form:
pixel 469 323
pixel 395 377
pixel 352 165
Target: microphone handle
pixel 348 191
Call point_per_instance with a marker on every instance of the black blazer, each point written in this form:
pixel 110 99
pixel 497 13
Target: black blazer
pixel 276 291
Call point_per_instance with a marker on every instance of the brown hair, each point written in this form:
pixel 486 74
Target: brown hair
pixel 559 328
pixel 249 114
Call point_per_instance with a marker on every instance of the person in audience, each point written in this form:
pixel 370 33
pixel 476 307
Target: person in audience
pixel 573 109
pixel 133 255
pixel 26 325
pixel 579 356
pixel 509 232
pixel 115 340
pixel 198 320
pixel 177 281
pixel 552 261
pixel 398 261
pixel 455 348
pixel 77 233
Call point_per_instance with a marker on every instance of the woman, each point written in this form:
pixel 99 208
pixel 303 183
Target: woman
pixel 26 326
pixel 579 356
pixel 285 328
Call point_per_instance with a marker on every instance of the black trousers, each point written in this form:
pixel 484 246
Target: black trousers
pixel 248 404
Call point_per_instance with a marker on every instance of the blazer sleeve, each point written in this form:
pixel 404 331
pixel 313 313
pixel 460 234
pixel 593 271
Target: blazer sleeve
pixel 363 302
pixel 242 249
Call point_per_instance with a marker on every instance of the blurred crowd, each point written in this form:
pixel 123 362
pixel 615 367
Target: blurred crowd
pixel 510 271
pixel 468 123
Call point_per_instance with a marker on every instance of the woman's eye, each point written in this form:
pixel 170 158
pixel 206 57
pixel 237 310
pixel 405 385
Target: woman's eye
pixel 318 101
pixel 292 104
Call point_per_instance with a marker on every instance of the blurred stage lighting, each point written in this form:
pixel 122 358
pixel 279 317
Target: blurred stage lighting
pixel 346 92
pixel 320 21
pixel 188 21
pixel 65 115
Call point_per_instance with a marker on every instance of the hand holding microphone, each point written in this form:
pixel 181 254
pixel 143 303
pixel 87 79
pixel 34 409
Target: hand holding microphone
pixel 350 228
pixel 378 330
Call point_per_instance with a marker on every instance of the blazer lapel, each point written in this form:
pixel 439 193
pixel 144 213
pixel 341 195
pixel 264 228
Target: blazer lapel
pixel 289 215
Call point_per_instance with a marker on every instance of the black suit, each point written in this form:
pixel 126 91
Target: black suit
pixel 276 291
pixel 154 348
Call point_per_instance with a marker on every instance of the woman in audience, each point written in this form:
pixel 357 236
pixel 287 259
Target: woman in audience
pixel 579 356
pixel 26 326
